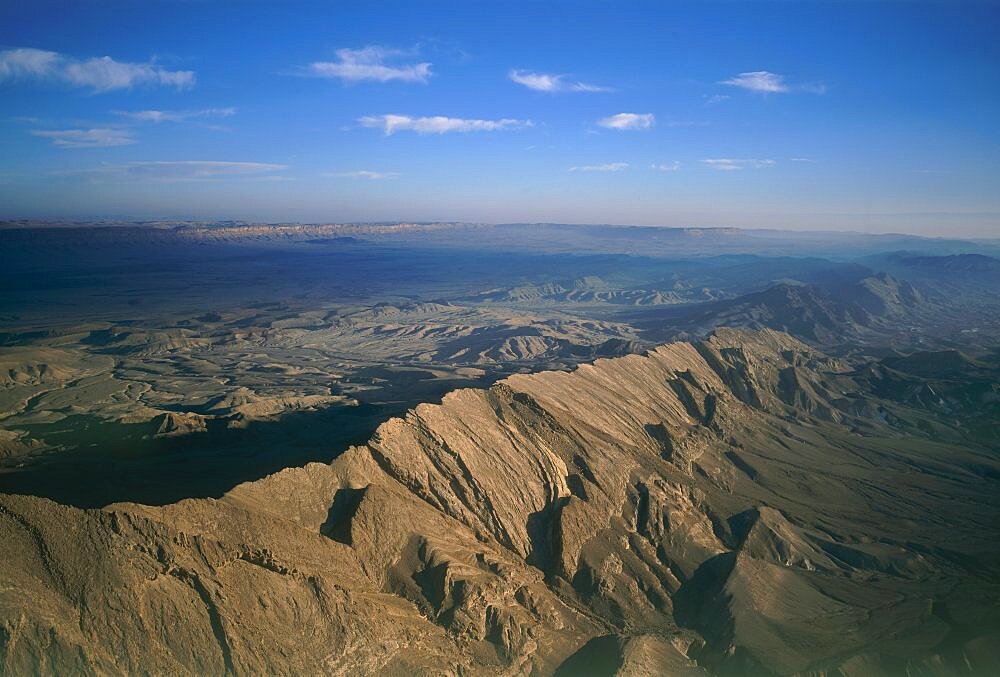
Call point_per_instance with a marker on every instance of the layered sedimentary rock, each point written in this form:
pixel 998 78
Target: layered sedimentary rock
pixel 721 507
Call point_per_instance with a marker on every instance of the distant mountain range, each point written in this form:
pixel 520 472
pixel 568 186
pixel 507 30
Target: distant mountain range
pixel 535 237
pixel 869 309
pixel 959 278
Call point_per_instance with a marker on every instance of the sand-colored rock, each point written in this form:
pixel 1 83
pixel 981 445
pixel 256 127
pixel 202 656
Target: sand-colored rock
pixel 691 510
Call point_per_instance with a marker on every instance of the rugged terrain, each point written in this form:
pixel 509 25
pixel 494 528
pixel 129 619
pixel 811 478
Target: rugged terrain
pixel 741 505
pixel 153 362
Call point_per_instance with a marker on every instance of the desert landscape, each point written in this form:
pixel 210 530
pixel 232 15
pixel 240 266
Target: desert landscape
pixel 183 346
pixel 654 464
pixel 563 338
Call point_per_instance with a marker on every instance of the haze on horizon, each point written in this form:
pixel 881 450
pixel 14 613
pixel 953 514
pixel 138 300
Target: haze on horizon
pixel 877 117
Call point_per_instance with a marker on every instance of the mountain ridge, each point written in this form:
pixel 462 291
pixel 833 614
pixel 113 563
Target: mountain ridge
pixel 865 312
pixel 640 499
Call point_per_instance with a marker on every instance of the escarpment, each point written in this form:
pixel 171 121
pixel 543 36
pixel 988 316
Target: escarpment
pixel 722 507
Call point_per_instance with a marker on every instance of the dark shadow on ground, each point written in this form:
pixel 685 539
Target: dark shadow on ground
pixel 114 462
pixel 600 657
pixel 105 462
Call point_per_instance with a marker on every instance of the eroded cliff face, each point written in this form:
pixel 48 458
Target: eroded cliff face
pixel 721 507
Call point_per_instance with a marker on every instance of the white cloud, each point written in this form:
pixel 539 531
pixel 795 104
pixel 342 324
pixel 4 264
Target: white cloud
pixel 802 159
pixel 363 174
pixel 438 124
pixel 609 167
pixel 759 81
pixel 369 63
pixel 86 138
pixel 176 116
pixel 105 74
pixel 546 82
pixel 765 82
pixel 27 63
pixel 715 98
pixel 670 167
pixel 100 74
pixel 729 164
pixel 623 121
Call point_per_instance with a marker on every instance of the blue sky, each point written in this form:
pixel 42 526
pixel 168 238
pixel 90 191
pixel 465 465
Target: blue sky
pixel 863 116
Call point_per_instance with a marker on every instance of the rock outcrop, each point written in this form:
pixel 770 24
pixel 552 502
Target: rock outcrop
pixel 718 507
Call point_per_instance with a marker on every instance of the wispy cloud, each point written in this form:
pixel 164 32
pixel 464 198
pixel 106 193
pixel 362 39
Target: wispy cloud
pixel 199 169
pixel 363 174
pixel 183 170
pixel 370 63
pixel 758 81
pixel 765 82
pixel 668 167
pixel 624 121
pixel 715 98
pixel 808 160
pixel 548 82
pixel 730 164
pixel 86 138
pixel 812 88
pixel 609 167
pixel 158 116
pixel 100 74
pixel 438 124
